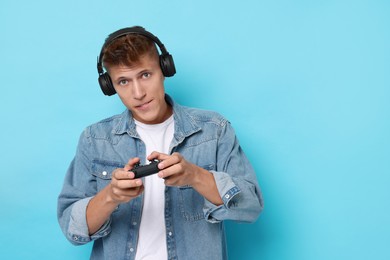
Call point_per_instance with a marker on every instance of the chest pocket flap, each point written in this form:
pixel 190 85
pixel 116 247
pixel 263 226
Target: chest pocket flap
pixel 103 169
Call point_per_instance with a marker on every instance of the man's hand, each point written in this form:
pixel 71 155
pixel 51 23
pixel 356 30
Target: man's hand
pixel 123 186
pixel 177 171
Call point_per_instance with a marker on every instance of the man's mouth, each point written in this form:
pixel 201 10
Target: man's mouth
pixel 144 105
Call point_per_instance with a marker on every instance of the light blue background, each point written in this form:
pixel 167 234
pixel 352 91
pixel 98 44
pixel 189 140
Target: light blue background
pixel 304 83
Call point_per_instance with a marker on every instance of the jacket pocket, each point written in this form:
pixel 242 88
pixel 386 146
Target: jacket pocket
pixel 102 170
pixel 191 202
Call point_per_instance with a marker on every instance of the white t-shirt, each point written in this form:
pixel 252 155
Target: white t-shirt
pixel 152 235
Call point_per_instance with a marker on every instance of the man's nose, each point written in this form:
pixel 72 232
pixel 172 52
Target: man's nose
pixel 138 90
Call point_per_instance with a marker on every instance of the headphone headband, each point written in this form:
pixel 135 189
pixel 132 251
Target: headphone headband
pixel 166 61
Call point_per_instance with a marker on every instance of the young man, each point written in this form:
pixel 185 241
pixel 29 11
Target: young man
pixel 204 177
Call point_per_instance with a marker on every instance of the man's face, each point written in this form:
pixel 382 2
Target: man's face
pixel 141 89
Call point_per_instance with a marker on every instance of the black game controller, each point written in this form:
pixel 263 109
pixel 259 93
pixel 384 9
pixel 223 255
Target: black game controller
pixel 145 170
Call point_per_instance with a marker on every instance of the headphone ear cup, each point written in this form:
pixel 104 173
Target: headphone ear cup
pixel 167 65
pixel 106 84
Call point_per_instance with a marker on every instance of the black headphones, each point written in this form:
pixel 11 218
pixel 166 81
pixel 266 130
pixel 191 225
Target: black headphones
pixel 166 61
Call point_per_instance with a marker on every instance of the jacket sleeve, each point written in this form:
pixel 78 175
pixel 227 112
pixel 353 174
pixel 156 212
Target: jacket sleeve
pixel 78 189
pixel 236 182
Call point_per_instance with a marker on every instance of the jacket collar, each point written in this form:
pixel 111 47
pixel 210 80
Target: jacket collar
pixel 185 125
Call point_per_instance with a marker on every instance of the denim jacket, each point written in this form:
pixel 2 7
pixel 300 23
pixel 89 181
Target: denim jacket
pixel 194 226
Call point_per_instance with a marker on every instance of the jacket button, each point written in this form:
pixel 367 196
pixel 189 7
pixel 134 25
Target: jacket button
pixel 104 173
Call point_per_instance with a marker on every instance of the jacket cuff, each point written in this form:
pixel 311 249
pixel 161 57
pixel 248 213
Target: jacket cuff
pixel 78 229
pixel 227 190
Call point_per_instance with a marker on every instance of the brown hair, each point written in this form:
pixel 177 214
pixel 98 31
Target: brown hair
pixel 128 50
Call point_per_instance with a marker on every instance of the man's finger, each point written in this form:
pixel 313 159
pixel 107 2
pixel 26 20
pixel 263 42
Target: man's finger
pixel 129 184
pixel 123 175
pixel 130 164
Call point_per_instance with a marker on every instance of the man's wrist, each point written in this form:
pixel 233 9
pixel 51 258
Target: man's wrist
pixel 205 184
pixel 199 177
pixel 109 199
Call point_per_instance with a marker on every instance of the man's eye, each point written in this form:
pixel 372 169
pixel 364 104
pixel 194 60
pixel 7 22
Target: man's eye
pixel 122 82
pixel 146 75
